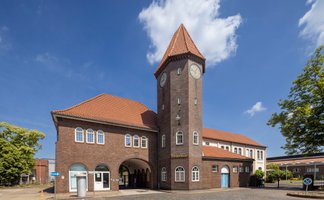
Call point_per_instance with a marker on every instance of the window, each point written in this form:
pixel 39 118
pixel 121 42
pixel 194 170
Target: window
pixel 179 71
pixel 136 141
pixel 163 141
pixel 207 143
pixel 195 174
pixel 179 138
pixel 128 140
pixel 296 170
pixel 100 137
pixel 227 148
pixel 247 169
pixel 247 152
pixel 144 142
pixel 241 169
pixel 76 169
pixel 222 147
pixel 312 170
pixel 215 168
pixel 79 135
pixel 260 155
pixel 235 150
pixel 251 153
pixel 240 151
pixel 179 174
pixel 163 174
pixel 90 136
pixel 235 169
pixel 195 138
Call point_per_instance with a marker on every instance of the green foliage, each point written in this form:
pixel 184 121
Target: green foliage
pixel 276 174
pixel 259 173
pixel 17 149
pixel 301 120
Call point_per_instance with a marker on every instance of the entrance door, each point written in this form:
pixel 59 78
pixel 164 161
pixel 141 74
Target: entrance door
pixel 102 181
pixel 224 181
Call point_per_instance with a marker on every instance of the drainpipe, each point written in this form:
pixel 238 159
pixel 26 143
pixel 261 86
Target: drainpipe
pixel 157 159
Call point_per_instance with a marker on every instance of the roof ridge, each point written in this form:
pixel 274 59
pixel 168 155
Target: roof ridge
pixel 184 36
pixel 83 102
pixel 174 42
pixel 194 44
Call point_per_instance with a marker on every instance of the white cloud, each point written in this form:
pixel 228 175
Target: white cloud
pixel 215 37
pixel 46 58
pixel 313 22
pixel 5 44
pixel 257 107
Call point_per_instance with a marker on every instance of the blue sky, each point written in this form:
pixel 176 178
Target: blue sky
pixel 54 54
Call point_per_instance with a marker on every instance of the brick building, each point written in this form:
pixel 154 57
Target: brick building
pixel 120 143
pixel 301 165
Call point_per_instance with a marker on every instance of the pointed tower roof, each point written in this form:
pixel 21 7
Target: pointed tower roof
pixel 181 43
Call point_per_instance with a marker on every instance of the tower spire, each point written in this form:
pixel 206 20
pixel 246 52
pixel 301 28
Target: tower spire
pixel 181 44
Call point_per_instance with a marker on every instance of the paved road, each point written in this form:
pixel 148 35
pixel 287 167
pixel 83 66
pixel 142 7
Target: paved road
pixel 235 194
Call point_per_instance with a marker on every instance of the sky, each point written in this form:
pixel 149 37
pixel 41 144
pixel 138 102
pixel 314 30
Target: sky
pixel 55 54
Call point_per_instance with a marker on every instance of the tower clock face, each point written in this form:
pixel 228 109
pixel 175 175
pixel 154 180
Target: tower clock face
pixel 195 71
pixel 163 79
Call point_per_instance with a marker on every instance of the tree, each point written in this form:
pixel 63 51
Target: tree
pixel 301 120
pixel 259 173
pixel 276 174
pixel 17 149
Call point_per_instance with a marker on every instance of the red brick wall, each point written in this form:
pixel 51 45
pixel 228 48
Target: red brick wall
pixel 41 171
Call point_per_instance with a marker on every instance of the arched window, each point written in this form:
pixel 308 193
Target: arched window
pixel 179 138
pixel 90 136
pixel 163 174
pixel 247 152
pixel 235 150
pixel 79 136
pixel 179 174
pixel 144 142
pixel 251 153
pixel 240 151
pixel 163 141
pixel 227 148
pixel 128 140
pixel 76 169
pixel 100 137
pixel 195 138
pixel 136 141
pixel 195 174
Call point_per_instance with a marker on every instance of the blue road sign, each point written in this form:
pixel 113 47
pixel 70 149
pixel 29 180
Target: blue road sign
pixel 55 173
pixel 308 181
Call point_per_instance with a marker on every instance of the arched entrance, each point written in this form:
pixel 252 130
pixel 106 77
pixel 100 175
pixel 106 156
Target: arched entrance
pixel 135 173
pixel 225 177
pixel 73 171
pixel 101 178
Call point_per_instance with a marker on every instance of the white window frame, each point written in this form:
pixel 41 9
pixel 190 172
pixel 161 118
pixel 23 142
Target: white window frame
pixel 163 174
pixel 93 136
pixel 247 169
pixel 130 140
pixel 182 138
pixel 100 132
pixel 215 168
pixel 251 153
pixel 240 151
pixel 163 141
pixel 138 142
pixel 235 150
pixel 241 169
pixel 144 139
pixel 75 135
pixel 235 169
pixel 179 174
pixel 195 134
pixel 195 174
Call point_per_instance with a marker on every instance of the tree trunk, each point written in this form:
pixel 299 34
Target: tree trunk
pixel 278 183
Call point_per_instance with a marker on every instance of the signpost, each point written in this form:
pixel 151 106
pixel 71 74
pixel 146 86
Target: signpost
pixel 307 182
pixel 55 174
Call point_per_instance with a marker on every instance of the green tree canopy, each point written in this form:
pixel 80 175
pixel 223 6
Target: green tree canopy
pixel 301 120
pixel 17 149
pixel 259 173
pixel 274 173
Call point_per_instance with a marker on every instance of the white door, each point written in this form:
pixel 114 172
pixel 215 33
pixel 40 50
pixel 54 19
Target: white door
pixel 98 185
pixel 102 181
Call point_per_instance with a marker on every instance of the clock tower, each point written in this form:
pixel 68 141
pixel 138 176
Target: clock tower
pixel 179 108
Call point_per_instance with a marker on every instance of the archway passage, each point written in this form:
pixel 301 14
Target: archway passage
pixel 225 177
pixel 135 173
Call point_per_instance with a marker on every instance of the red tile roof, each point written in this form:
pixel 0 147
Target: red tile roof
pixel 228 137
pixel 297 161
pixel 181 43
pixel 215 152
pixel 113 109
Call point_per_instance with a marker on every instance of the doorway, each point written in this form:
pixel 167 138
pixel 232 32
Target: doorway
pixel 225 177
pixel 101 178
